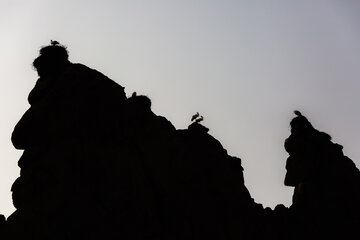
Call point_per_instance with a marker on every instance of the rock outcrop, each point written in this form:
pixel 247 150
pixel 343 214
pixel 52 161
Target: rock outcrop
pixel 326 200
pixel 99 165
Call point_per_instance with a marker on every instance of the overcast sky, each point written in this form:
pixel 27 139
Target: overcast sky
pixel 244 65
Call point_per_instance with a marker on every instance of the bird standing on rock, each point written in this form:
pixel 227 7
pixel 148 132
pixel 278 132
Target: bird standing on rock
pixel 54 42
pixel 297 113
pixel 197 120
pixel 195 116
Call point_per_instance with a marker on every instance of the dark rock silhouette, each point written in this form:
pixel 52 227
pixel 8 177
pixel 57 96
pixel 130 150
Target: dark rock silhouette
pixel 326 200
pixel 99 165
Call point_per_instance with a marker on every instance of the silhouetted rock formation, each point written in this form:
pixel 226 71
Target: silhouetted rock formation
pixel 326 200
pixel 99 165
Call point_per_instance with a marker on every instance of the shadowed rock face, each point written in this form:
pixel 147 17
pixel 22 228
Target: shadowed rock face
pixel 99 165
pixel 327 186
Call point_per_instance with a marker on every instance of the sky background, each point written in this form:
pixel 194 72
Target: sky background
pixel 244 65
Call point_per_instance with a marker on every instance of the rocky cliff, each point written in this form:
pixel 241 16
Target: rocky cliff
pixel 99 165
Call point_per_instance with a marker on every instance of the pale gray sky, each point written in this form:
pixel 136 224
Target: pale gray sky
pixel 244 65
